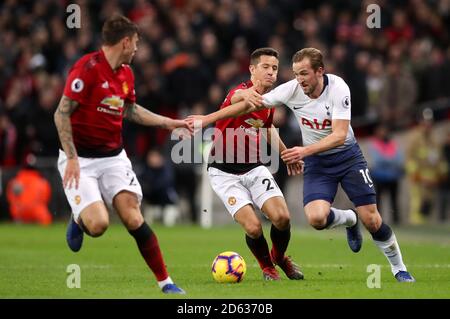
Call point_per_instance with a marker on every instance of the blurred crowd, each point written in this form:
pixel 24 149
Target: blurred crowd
pixel 423 160
pixel 192 51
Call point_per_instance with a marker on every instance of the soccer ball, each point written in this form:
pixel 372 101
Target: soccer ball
pixel 228 267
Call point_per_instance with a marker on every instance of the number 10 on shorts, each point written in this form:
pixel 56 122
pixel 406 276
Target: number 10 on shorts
pixel 366 176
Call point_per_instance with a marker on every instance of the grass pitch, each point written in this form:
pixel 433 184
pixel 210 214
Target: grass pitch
pixel 34 261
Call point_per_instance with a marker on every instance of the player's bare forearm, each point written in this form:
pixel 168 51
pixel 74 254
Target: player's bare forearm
pixel 247 105
pixel 335 139
pixel 62 122
pixel 140 115
pixel 233 110
pixel 238 96
pixel 327 143
pixel 250 96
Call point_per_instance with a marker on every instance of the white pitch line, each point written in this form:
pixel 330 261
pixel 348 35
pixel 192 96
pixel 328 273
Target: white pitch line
pixel 354 265
pixel 203 265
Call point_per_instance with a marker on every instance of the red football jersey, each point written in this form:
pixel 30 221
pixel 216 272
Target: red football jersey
pixel 101 94
pixel 240 137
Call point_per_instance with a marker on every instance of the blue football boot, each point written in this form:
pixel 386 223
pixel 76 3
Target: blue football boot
pixel 354 236
pixel 404 276
pixel 74 235
pixel 172 289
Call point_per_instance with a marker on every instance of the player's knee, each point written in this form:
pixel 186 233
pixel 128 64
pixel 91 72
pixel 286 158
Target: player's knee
pixel 253 230
pixel 134 221
pixel 318 221
pixel 97 228
pixel 281 220
pixel 372 222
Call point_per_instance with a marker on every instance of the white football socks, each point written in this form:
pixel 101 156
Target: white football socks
pixel 345 217
pixel 392 252
pixel 165 282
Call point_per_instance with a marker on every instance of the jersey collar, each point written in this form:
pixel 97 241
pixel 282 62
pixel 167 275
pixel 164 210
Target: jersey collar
pixel 325 83
pixel 105 62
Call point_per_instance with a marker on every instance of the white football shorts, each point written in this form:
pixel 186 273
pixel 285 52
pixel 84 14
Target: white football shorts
pixel 254 187
pixel 100 180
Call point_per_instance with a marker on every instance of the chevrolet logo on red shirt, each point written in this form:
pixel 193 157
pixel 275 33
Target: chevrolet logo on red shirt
pixel 114 102
pixel 255 123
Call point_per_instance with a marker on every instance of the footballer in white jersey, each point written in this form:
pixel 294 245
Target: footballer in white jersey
pixel 315 115
pixel 322 105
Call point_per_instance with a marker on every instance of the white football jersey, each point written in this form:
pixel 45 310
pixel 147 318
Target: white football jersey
pixel 315 115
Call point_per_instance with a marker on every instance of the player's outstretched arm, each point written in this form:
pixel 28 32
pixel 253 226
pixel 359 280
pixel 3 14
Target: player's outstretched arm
pixel 335 139
pixel 251 96
pixel 140 115
pixel 62 122
pixel 233 110
pixel 242 102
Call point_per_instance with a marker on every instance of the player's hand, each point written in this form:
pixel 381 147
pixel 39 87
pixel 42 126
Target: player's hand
pixel 71 173
pixel 173 124
pixel 198 121
pixel 295 169
pixel 181 128
pixel 252 98
pixel 293 155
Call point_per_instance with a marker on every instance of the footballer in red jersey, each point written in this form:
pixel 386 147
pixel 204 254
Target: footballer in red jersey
pixel 239 177
pixel 98 95
pixel 237 146
pixel 102 94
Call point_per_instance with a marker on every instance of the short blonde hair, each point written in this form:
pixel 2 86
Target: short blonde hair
pixel 314 55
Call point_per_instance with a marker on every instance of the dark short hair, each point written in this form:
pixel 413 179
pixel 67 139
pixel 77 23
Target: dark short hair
pixel 116 28
pixel 314 55
pixel 254 57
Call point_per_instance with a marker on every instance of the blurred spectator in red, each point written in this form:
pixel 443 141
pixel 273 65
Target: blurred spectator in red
pixel 141 10
pixel 8 141
pixel 28 196
pixel 387 168
pixel 400 30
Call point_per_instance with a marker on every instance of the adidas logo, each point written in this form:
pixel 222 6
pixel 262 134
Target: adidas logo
pixel 105 85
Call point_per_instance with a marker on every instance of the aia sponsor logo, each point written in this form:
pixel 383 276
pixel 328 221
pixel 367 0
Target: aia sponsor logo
pixel 315 124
